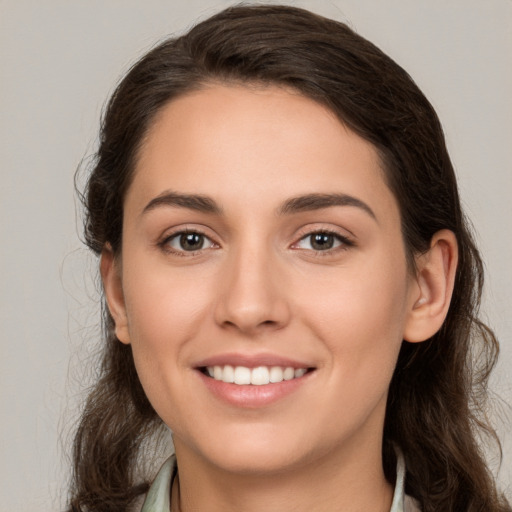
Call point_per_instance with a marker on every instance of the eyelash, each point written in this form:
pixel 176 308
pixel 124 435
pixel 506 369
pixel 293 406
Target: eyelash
pixel 164 244
pixel 344 242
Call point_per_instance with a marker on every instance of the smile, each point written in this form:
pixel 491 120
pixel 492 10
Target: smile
pixel 252 381
pixel 259 376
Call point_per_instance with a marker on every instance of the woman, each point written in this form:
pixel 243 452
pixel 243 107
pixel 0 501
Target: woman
pixel 290 283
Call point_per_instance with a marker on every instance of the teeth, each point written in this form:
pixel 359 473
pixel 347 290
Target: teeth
pixel 288 374
pixel 276 374
pixel 242 375
pixel 228 374
pixel 217 372
pixel 258 376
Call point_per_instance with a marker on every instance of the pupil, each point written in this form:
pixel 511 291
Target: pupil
pixel 322 241
pixel 191 241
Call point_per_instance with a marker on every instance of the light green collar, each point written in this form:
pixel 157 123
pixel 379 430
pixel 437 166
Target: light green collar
pixel 158 497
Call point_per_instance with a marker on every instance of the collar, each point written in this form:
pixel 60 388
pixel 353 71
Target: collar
pixel 158 497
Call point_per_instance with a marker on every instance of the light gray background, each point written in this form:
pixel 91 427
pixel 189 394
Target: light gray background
pixel 59 61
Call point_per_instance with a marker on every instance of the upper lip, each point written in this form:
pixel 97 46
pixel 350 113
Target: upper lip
pixel 252 361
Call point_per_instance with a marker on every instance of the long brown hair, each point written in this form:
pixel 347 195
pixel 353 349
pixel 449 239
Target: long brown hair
pixel 436 399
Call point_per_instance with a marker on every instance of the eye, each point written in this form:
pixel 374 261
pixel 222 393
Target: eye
pixel 322 241
pixel 187 241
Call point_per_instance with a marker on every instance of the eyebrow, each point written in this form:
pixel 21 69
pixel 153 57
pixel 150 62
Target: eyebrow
pixel 310 202
pixel 196 202
pixel 303 203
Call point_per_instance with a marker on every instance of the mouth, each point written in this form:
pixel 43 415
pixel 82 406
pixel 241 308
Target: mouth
pixel 254 381
pixel 256 376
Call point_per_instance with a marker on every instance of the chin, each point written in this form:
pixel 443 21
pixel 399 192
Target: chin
pixel 263 451
pixel 257 462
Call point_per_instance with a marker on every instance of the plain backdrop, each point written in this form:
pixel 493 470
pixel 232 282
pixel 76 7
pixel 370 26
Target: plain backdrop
pixel 59 60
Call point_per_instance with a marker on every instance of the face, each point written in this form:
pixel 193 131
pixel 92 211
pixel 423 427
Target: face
pixel 261 244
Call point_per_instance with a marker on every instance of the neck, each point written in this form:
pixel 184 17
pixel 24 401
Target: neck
pixel 351 481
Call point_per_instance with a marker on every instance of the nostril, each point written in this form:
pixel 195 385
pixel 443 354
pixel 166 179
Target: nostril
pixel 250 326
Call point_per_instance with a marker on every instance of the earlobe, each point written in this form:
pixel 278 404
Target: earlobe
pixel 113 288
pixel 433 289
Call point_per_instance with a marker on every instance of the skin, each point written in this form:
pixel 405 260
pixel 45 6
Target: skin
pixel 258 285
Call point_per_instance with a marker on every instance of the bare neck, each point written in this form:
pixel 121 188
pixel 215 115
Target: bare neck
pixel 353 481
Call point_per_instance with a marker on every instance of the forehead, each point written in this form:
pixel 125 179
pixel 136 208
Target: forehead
pixel 238 143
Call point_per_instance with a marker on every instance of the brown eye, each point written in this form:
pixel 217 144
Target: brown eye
pixel 189 241
pixel 323 241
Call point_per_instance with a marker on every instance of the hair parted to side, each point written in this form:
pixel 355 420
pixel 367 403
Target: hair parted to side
pixel 435 408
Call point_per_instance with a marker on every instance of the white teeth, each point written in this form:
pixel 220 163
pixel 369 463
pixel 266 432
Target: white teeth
pixel 228 375
pixel 242 375
pixel 258 376
pixel 288 374
pixel 276 374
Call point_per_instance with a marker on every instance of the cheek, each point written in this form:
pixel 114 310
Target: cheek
pixel 360 316
pixel 164 313
pixel 162 302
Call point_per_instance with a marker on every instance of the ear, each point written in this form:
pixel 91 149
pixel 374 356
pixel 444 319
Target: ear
pixel 432 291
pixel 113 287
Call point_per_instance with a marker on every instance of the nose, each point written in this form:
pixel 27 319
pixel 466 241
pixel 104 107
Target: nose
pixel 252 294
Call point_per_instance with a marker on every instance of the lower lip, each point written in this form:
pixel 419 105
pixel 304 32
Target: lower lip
pixel 251 396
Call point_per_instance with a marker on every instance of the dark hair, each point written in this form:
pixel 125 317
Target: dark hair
pixel 436 398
